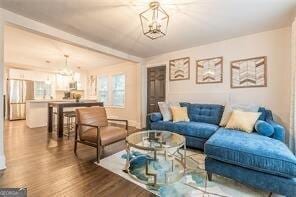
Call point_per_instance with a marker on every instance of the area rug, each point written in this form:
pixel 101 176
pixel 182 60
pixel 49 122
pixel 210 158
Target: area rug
pixel 193 183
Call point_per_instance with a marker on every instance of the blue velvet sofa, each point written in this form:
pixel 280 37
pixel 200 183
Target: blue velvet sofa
pixel 204 122
pixel 259 161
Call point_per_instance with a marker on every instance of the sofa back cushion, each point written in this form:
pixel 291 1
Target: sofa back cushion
pixel 208 113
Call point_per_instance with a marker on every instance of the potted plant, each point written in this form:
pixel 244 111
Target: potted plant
pixel 77 97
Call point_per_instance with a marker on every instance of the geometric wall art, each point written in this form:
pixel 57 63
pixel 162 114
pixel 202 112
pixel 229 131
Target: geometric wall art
pixel 179 69
pixel 92 85
pixel 251 72
pixel 209 70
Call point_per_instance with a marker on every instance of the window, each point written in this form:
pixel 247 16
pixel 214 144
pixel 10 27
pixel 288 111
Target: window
pixel 42 90
pixel 118 90
pixel 103 89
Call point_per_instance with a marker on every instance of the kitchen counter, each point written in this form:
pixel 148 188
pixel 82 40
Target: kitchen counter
pixel 59 100
pixel 37 110
pixel 60 107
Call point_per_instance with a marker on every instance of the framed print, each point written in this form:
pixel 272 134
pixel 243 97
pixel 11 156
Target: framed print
pixel 179 69
pixel 209 70
pixel 92 85
pixel 247 73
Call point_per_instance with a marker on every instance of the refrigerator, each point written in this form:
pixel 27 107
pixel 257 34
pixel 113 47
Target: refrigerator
pixel 18 92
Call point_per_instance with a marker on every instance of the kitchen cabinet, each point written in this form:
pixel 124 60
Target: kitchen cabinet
pixel 58 82
pixel 62 82
pixel 30 75
pixel 18 74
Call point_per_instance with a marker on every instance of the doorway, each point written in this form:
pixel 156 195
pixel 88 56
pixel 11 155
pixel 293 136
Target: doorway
pixel 156 87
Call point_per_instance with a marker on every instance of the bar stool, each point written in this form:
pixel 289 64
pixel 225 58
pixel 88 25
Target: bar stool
pixel 70 122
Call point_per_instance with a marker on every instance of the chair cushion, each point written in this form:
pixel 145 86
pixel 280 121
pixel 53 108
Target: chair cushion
pixel 193 129
pixel 207 113
pixel 252 151
pixel 109 135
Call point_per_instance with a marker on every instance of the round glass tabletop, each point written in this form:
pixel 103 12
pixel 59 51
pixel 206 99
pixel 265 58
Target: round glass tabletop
pixel 155 140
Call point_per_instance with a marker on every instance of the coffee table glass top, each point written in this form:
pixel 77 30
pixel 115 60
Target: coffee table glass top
pixel 155 140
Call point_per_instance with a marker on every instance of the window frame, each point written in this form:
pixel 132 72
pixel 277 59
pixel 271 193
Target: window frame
pixel 99 89
pixel 112 91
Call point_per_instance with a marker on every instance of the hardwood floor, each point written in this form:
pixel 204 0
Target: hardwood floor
pixel 47 166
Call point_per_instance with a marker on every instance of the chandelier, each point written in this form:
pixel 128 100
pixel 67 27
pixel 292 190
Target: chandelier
pixel 66 71
pixel 154 21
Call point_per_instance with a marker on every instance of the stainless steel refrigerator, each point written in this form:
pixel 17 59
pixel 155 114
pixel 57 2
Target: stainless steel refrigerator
pixel 18 92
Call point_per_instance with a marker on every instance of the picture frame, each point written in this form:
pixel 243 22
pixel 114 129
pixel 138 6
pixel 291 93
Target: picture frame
pixel 249 73
pixel 179 69
pixel 209 70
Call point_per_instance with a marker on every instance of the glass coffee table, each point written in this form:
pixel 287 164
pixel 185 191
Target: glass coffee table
pixel 156 158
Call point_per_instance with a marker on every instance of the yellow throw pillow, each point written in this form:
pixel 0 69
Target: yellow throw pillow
pixel 180 114
pixel 244 121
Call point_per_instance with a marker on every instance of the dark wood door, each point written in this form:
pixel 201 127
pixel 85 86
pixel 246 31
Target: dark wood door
pixel 156 79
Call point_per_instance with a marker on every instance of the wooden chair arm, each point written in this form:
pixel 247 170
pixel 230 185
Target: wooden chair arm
pixel 120 120
pixel 87 125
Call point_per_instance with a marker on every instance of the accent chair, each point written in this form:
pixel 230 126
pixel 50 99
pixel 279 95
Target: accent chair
pixel 92 129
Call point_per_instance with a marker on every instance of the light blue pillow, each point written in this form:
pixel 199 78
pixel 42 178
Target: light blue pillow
pixel 264 128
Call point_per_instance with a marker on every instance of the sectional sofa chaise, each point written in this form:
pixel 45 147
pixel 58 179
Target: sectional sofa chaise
pixel 250 158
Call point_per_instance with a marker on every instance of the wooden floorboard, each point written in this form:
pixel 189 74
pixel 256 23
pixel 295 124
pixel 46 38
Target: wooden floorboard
pixel 47 166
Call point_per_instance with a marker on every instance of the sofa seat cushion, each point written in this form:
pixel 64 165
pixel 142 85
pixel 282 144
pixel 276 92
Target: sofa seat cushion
pixel 193 129
pixel 252 151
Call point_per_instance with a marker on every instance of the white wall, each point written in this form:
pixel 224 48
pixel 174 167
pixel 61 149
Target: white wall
pixel 2 156
pixel 273 44
pixel 131 110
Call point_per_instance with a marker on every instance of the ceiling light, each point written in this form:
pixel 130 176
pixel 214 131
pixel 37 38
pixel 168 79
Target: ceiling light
pixel 48 81
pixel 154 21
pixel 66 71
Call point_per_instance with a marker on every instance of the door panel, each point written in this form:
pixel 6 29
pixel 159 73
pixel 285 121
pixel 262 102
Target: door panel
pixel 17 111
pixel 156 80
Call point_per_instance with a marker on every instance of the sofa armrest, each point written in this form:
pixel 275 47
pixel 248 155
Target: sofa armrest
pixel 152 117
pixel 279 130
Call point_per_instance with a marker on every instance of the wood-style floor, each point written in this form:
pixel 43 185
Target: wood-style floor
pixel 48 167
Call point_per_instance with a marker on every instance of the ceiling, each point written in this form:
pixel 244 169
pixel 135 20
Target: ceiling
pixel 28 49
pixel 115 23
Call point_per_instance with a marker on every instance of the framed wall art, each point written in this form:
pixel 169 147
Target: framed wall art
pixel 92 85
pixel 179 69
pixel 209 70
pixel 251 72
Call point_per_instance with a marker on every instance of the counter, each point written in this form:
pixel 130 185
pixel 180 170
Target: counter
pixel 37 111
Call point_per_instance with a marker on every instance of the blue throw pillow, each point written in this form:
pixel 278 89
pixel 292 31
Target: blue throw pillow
pixel 154 117
pixel 264 128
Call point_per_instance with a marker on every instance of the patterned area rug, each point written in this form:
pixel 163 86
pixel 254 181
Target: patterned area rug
pixel 193 183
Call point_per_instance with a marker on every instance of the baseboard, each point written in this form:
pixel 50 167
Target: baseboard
pixel 2 162
pixel 134 124
pixel 131 123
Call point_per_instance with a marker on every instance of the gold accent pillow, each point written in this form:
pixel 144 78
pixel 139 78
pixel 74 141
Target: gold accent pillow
pixel 180 114
pixel 244 121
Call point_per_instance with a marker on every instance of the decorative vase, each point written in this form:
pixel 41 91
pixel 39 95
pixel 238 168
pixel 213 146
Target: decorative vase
pixel 77 100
